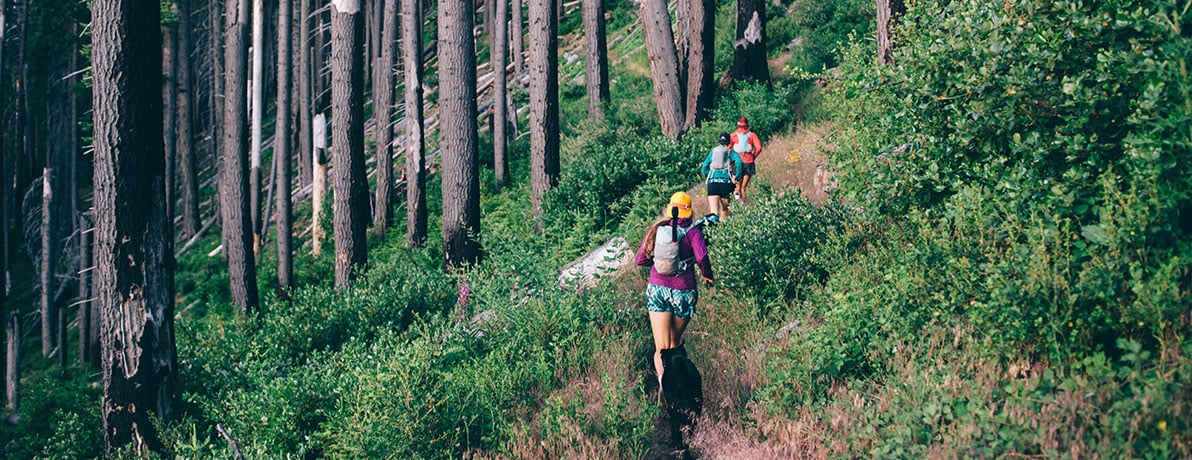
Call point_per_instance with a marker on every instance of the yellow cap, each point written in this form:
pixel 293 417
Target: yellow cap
pixel 682 201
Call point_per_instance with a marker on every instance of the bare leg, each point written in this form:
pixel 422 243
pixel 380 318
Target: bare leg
pixel 744 185
pixel 677 328
pixel 663 327
pixel 714 204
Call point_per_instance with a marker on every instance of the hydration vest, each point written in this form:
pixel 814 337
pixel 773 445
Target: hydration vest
pixel 743 145
pixel 666 249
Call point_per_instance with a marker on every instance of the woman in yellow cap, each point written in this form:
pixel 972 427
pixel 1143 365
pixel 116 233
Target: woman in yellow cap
pixel 670 245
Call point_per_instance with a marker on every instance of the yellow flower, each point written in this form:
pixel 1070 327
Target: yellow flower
pixel 1163 425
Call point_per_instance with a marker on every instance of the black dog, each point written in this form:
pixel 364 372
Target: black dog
pixel 684 393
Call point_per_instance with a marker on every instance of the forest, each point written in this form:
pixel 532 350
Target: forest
pixel 969 234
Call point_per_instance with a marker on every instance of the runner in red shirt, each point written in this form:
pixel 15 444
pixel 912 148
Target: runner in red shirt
pixel 749 147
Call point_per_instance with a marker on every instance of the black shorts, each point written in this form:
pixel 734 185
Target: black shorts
pixel 721 189
pixel 748 169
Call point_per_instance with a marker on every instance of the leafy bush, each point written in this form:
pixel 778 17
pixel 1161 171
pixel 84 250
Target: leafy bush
pixel 458 384
pixel 766 251
pixel 596 189
pixel 769 109
pixel 59 418
pixel 1062 137
pixel 267 378
pixel 821 29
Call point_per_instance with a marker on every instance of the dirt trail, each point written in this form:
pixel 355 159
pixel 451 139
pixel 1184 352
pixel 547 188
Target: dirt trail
pixel 789 162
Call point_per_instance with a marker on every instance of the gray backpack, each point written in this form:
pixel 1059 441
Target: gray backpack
pixel 719 159
pixel 666 250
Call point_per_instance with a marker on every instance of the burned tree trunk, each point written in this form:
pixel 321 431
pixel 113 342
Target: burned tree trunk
pixel 135 272
pixel 749 46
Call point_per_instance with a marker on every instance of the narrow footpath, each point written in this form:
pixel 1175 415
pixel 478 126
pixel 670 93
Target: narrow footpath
pixel 728 362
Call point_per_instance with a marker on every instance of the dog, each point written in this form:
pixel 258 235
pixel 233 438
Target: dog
pixel 684 392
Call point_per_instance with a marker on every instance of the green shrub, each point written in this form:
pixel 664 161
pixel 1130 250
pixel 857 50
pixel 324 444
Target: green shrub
pixel 821 28
pixel 769 109
pixel 59 418
pixel 765 251
pixel 1057 130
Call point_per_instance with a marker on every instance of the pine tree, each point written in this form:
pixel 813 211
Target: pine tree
pixel 350 207
pixel 134 270
pixel 457 105
pixel 233 188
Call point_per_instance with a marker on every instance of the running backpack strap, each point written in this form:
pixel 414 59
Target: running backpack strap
pixel 743 145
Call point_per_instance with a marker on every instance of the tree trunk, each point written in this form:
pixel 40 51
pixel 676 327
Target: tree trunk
pixel 233 190
pixel 281 149
pixel 318 183
pixel 749 46
pixel 321 95
pixel 701 58
pixel 517 39
pixel 45 268
pixel 218 77
pixel 375 29
pixel 486 18
pixel 664 67
pixel 191 221
pixel 135 269
pixel 682 30
pixel 411 44
pixel 457 133
pixel 11 336
pixel 383 113
pixel 596 64
pixel 350 208
pixel 170 112
pixel 258 112
pixel 4 169
pixel 888 12
pixel 87 349
pixel 544 100
pixel 305 149
pixel 12 362
pixel 500 47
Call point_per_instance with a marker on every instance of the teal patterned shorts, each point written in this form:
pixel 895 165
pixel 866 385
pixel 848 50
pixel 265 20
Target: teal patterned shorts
pixel 662 299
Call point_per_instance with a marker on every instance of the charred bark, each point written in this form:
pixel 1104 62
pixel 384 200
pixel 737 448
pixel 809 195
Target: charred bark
pixel 135 272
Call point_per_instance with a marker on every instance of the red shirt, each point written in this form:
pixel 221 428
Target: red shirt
pixel 748 157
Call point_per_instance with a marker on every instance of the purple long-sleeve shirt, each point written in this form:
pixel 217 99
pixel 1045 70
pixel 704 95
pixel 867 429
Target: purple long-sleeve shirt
pixel 691 245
